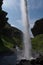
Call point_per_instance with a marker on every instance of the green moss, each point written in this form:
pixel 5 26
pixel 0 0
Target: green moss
pixel 6 43
pixel 37 43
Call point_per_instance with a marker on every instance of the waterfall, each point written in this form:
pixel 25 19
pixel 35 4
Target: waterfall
pixel 25 53
pixel 26 39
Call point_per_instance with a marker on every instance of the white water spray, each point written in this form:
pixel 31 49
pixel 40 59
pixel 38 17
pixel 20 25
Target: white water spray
pixel 27 43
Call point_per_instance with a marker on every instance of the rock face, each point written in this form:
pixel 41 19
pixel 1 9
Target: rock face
pixel 38 27
pixel 5 28
pixel 3 18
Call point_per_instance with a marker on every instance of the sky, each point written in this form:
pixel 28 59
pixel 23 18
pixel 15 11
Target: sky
pixel 13 8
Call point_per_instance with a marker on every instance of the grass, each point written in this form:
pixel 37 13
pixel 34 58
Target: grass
pixel 6 44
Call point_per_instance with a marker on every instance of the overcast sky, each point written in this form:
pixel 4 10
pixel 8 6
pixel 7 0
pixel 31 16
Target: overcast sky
pixel 13 8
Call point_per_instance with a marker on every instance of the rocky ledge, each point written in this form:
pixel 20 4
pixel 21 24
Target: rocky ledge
pixel 37 61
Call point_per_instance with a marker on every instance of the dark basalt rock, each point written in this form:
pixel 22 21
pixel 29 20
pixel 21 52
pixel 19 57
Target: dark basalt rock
pixel 37 61
pixel 32 62
pixel 24 62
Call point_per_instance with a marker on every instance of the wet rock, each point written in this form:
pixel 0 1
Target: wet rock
pixel 37 61
pixel 24 62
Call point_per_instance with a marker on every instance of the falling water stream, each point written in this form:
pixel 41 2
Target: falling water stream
pixel 26 52
pixel 26 38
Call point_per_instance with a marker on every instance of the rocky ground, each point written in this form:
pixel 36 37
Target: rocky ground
pixel 37 61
